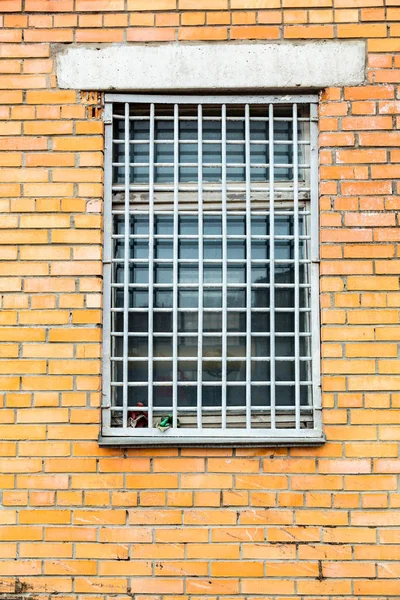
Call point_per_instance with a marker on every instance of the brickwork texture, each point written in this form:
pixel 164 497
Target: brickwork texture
pixel 87 523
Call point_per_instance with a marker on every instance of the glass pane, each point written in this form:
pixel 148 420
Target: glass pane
pixel 163 298
pixel 162 395
pixel 188 273
pixel 236 370
pixel 284 346
pixel 236 322
pixel 187 396
pixel 162 370
pixel 187 322
pixel 164 153
pixel 212 370
pixel 260 395
pixel 187 346
pixel 260 370
pixel 260 346
pixel 259 225
pixel 163 273
pixel 285 395
pixel 212 298
pixel 162 346
pixel 137 394
pixel 236 346
pixel 138 322
pixel 236 273
pixel 164 225
pixel 236 249
pixel 259 251
pixel 260 297
pixel 236 225
pixel 259 273
pixel 164 249
pixel 140 225
pixel 163 130
pixel 187 370
pixel 284 370
pixel 138 298
pixel 284 322
pixel 139 274
pixel 163 174
pixel 212 346
pixel 162 322
pixel 236 396
pixel 212 225
pixel 211 395
pixel 188 249
pixel 138 371
pixel 188 226
pixel 188 130
pixel 212 274
pixel 212 249
pixel 140 249
pixel 260 322
pixel 236 298
pixel 188 299
pixel 212 322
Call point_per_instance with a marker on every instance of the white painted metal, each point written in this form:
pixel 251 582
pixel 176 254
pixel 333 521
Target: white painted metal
pixel 175 272
pixel 224 270
pixel 283 422
pixel 107 276
pixel 126 274
pixel 248 267
pixel 201 273
pixel 272 261
pixel 151 263
pixel 315 305
pixel 296 266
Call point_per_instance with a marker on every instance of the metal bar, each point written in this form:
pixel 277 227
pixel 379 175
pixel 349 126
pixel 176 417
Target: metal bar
pixel 125 373
pixel 272 262
pixel 224 373
pixel 248 268
pixel 170 99
pixel 151 265
pixel 315 306
pixel 296 268
pixel 201 270
pixel 107 269
pixel 175 272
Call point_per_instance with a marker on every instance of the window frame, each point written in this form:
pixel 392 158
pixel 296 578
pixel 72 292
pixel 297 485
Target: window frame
pixel 276 436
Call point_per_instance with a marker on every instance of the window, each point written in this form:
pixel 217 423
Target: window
pixel 211 319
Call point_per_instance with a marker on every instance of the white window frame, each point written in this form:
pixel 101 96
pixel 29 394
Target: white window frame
pixel 128 436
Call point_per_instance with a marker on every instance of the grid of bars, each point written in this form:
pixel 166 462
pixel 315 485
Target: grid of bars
pixel 211 248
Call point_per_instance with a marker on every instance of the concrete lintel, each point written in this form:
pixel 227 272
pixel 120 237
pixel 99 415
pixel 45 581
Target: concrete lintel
pixel 212 66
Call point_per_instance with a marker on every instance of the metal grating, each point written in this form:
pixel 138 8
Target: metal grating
pixel 211 331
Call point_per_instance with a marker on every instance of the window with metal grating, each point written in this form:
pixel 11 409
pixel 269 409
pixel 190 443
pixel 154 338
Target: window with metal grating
pixel 211 289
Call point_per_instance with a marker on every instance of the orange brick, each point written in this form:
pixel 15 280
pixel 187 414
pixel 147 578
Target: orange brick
pixel 308 31
pixel 258 32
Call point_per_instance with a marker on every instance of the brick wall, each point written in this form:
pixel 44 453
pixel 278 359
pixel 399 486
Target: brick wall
pixel 80 521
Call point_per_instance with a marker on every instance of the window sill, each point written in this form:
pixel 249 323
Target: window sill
pixel 315 439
